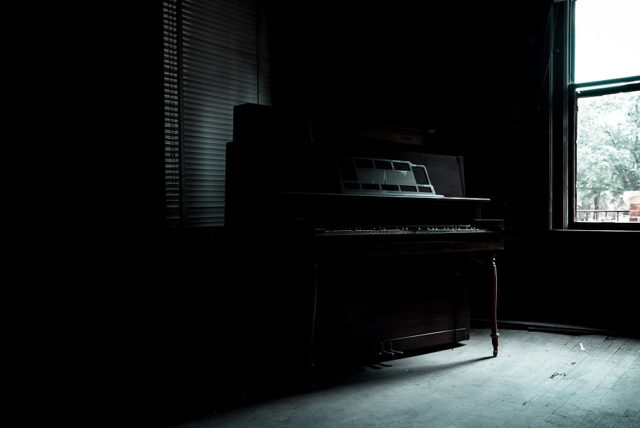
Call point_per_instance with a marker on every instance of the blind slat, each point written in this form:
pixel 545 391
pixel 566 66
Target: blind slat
pixel 225 56
pixel 223 77
pixel 214 103
pixel 219 31
pixel 225 7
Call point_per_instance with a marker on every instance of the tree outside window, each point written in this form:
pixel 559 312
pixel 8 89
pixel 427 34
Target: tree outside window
pixel 607 155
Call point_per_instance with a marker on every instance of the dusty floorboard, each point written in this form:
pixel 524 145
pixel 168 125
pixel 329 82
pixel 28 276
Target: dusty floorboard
pixel 539 379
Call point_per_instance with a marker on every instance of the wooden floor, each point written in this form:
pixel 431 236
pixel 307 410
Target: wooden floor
pixel 539 379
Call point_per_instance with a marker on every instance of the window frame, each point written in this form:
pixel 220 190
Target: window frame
pixel 564 95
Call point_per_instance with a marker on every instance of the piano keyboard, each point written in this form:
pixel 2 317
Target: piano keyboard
pixel 403 230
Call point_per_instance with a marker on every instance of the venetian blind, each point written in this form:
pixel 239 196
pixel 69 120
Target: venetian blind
pixel 215 58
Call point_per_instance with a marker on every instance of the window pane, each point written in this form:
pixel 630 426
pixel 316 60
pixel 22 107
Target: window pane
pixel 607 39
pixel 608 156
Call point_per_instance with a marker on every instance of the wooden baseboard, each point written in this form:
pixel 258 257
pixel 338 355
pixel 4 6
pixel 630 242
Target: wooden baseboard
pixel 545 327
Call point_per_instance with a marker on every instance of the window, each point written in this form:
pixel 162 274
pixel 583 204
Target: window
pixel 215 57
pixel 597 90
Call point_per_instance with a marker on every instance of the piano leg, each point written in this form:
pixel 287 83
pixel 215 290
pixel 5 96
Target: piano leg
pixel 494 305
pixel 314 315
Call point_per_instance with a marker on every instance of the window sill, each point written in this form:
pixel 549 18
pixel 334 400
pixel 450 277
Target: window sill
pixel 596 238
pixel 612 231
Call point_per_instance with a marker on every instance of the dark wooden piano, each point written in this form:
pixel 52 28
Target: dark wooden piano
pixel 367 245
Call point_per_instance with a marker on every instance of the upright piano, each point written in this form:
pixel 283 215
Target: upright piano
pixel 368 242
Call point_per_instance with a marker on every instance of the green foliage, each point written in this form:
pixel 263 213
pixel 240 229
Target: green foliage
pixel 608 150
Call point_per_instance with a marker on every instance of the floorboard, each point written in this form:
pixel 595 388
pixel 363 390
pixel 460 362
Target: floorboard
pixel 539 379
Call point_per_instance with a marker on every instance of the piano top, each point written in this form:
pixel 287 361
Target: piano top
pixel 390 196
